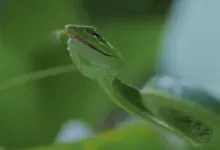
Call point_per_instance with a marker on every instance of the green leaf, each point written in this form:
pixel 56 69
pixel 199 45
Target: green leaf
pixel 130 136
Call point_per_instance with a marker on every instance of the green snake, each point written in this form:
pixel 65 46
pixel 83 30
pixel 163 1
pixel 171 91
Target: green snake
pixel 98 60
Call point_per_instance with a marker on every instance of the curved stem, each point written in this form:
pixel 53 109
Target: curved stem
pixel 36 76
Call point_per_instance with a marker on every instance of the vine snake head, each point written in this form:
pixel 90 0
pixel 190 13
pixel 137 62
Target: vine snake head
pixel 91 37
pixel 93 55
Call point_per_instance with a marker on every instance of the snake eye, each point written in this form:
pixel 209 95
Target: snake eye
pixel 96 34
pixel 98 37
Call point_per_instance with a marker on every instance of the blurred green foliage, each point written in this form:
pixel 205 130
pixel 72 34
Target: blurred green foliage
pixel 31 114
pixel 129 136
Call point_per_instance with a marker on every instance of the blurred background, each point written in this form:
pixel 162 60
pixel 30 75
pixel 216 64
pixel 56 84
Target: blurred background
pixel 32 114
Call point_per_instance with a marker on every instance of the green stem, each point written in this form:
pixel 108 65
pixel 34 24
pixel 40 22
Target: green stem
pixel 36 76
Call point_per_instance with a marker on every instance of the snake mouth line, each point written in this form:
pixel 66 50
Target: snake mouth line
pixel 93 47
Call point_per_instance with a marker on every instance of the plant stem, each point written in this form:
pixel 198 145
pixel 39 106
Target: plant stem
pixel 36 76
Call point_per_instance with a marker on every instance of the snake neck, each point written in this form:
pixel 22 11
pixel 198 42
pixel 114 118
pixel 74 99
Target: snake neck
pixel 125 95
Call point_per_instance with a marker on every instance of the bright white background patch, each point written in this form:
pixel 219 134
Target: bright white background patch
pixel 74 130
